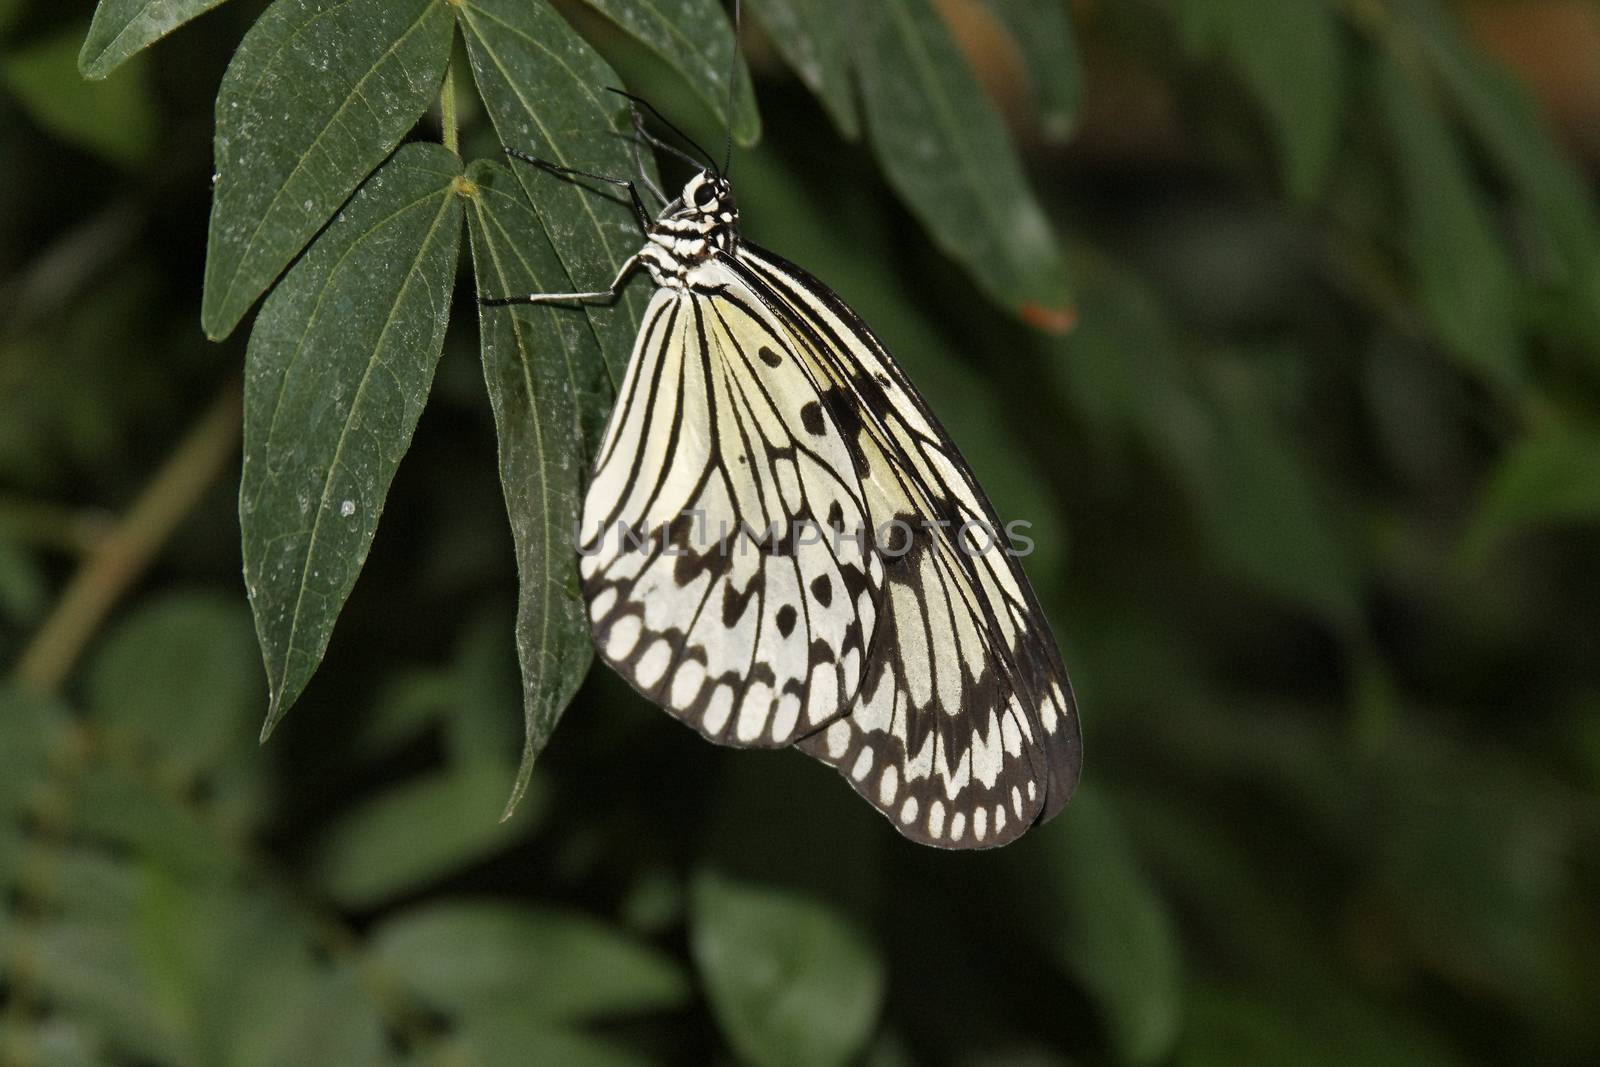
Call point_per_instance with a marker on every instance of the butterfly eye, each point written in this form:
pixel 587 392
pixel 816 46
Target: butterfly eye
pixel 704 195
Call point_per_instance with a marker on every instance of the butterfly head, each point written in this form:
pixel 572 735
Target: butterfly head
pixel 701 224
pixel 708 197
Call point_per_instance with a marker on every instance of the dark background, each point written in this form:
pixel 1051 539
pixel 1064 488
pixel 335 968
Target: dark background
pixel 1323 569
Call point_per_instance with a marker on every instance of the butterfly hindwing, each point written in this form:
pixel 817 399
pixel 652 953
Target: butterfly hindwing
pixel 965 732
pixel 711 582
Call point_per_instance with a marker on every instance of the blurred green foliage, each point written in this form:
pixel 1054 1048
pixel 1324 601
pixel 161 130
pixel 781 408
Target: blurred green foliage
pixel 1314 480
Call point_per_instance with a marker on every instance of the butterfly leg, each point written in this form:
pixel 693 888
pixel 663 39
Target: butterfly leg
pixel 639 213
pixel 608 293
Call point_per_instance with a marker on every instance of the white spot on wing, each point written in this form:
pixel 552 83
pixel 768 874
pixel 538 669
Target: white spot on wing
pixel 624 635
pixel 654 663
pixel 718 709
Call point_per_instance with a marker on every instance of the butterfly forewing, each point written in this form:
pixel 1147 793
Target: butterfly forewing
pixel 712 584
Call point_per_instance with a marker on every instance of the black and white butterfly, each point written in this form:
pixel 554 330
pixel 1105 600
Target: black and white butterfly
pixel 782 546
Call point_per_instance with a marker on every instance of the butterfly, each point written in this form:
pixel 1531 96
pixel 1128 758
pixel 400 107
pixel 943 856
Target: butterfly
pixel 781 545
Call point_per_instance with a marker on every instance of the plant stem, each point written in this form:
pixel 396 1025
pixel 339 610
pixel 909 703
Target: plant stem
pixel 122 555
pixel 447 110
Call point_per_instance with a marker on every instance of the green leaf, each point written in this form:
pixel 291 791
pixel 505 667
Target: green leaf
pixel 90 972
pixel 1467 286
pixel 813 36
pixel 544 89
pixel 416 833
pixel 1502 115
pixel 319 92
pixel 504 1039
pixel 1266 521
pixel 1044 34
pixel 486 959
pixel 1250 1025
pixel 31 727
pixel 546 381
pixel 116 120
pixel 478 725
pixel 1119 369
pixel 1549 477
pixel 945 150
pixel 339 366
pixel 123 27
pixel 115 806
pixel 1290 55
pixel 1112 931
pixel 329 1017
pixel 52 1042
pixel 696 40
pixel 24 590
pixel 178 678
pixel 790 981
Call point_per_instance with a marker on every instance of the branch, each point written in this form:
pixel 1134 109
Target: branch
pixel 122 555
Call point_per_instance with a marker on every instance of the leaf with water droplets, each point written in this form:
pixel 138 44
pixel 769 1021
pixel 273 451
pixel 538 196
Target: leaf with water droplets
pixel 544 89
pixel 339 366
pixel 945 150
pixel 549 391
pixel 694 38
pixel 122 28
pixel 319 92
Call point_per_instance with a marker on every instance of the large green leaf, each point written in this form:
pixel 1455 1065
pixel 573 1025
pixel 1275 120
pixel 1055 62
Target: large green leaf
pixel 319 92
pixel 124 27
pixel 338 369
pixel 814 38
pixel 415 833
pixel 1551 477
pixel 483 958
pixel 544 89
pixel 1111 930
pixel 117 120
pixel 945 149
pixel 547 386
pixel 1467 286
pixel 1044 34
pixel 696 40
pixel 507 1039
pixel 178 679
pixel 790 981
pixel 1290 54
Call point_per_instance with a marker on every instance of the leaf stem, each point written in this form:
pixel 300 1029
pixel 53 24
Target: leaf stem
pixel 122 555
pixel 447 111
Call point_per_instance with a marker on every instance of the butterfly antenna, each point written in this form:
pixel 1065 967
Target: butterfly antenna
pixel 659 117
pixel 733 81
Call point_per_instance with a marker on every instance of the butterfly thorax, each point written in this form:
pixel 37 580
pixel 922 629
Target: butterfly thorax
pixel 691 231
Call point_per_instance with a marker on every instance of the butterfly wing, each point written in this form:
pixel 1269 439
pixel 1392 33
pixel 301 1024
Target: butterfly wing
pixel 711 585
pixel 965 731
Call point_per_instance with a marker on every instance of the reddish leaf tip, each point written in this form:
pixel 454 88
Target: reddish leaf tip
pixel 1058 321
